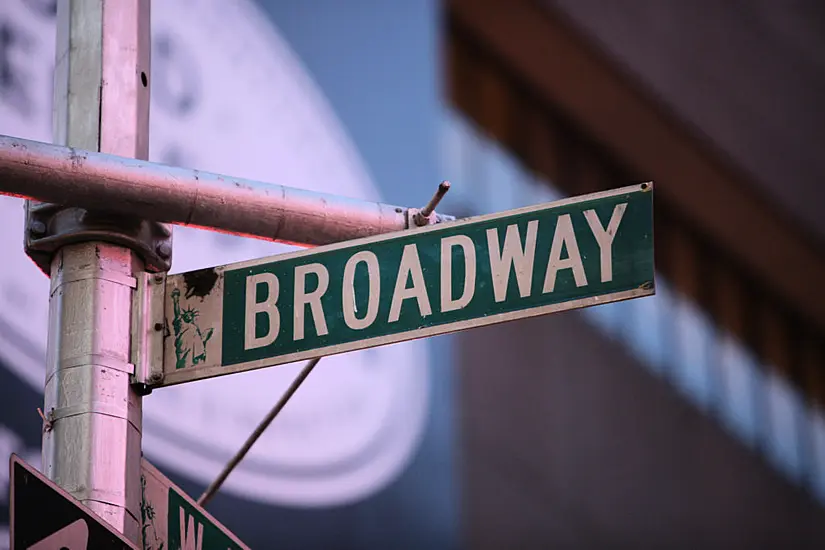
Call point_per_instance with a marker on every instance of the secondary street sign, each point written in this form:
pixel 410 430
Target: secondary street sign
pixel 573 253
pixel 45 517
pixel 171 520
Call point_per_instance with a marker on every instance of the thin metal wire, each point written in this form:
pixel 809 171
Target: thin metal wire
pixel 216 485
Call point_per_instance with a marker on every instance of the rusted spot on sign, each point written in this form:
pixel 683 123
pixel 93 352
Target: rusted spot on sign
pixel 200 283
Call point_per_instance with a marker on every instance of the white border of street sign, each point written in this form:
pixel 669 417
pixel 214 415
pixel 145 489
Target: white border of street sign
pixel 212 303
pixel 14 459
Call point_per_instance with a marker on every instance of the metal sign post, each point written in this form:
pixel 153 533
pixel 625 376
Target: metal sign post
pixel 103 182
pixel 92 416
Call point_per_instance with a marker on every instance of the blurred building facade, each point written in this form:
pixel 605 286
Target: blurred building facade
pixel 695 417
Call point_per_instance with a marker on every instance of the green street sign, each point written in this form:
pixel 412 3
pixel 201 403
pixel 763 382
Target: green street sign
pixel 568 254
pixel 171 520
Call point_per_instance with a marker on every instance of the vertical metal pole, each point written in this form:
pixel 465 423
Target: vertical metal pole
pixel 92 440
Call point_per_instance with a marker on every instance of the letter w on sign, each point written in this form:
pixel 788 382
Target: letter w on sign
pixel 573 253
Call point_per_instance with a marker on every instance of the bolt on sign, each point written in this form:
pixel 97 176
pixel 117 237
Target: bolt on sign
pixel 568 254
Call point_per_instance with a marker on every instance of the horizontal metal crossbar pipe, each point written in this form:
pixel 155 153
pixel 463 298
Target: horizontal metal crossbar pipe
pixel 101 182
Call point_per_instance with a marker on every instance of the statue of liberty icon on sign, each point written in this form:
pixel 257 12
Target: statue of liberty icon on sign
pixel 190 340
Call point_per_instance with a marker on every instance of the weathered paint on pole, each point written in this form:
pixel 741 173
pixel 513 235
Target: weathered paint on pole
pixel 532 261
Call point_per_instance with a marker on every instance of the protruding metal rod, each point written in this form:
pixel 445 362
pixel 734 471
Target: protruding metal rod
pixel 423 216
pixel 213 488
pixel 147 190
